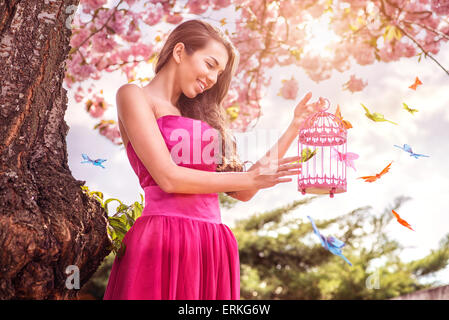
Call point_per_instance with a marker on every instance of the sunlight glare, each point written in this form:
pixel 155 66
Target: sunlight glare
pixel 319 36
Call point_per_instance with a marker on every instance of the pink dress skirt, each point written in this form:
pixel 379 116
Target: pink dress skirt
pixel 178 248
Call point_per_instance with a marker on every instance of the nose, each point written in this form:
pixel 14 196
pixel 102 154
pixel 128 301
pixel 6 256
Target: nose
pixel 211 79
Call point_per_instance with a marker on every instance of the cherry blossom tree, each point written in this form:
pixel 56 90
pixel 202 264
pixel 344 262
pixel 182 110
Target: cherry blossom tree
pixel 318 36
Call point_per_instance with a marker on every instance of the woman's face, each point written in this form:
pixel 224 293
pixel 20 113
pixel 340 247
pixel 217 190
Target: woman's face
pixel 199 72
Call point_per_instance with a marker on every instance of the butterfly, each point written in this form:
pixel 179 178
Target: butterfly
pixel 408 149
pixel 347 157
pixel 401 221
pixel 376 117
pixel 416 84
pixel 378 175
pixel 233 111
pixel 306 155
pixel 96 162
pixel 346 123
pixel 406 107
pixel 330 243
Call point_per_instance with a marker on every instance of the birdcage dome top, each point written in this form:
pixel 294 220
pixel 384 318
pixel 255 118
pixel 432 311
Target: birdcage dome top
pixel 323 129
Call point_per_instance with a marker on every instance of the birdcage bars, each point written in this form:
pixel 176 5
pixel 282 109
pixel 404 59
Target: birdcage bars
pixel 320 133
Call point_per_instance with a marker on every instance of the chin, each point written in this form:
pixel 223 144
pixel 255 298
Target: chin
pixel 190 95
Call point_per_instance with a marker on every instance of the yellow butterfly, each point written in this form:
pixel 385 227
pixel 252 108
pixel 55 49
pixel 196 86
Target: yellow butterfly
pixel 406 107
pixel 306 155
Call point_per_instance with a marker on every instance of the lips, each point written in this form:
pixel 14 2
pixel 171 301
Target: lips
pixel 201 85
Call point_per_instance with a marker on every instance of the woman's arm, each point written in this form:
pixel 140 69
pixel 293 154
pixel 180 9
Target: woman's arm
pixel 302 110
pixel 282 146
pixel 143 132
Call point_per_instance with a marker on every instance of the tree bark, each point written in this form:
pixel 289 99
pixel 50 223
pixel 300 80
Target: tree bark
pixel 47 222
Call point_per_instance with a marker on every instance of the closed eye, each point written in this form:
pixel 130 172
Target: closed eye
pixel 211 66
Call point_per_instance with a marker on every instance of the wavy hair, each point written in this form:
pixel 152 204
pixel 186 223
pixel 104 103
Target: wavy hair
pixel 206 106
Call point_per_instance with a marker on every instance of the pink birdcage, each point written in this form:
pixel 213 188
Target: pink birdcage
pixel 322 137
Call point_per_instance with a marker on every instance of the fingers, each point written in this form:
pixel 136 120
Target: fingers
pixel 306 98
pixel 289 172
pixel 269 162
pixel 289 159
pixel 284 180
pixel 290 166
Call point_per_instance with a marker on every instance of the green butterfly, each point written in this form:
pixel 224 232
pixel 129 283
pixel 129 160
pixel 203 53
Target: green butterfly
pixel 306 155
pixel 406 107
pixel 376 117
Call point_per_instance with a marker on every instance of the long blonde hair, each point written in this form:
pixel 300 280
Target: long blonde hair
pixel 206 106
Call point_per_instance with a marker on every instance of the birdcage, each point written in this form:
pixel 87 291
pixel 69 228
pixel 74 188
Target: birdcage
pixel 321 143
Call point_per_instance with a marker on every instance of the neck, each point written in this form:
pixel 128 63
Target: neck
pixel 164 85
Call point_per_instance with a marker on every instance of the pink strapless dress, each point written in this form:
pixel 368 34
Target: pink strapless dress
pixel 178 248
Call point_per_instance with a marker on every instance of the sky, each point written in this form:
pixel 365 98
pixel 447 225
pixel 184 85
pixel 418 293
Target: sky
pixel 424 180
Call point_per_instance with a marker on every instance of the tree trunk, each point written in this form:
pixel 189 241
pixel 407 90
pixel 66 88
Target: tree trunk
pixel 47 223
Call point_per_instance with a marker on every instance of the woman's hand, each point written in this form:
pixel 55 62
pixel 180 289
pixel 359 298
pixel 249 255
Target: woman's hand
pixel 304 110
pixel 269 175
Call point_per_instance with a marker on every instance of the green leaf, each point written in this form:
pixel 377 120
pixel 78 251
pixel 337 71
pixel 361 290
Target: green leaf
pixel 105 204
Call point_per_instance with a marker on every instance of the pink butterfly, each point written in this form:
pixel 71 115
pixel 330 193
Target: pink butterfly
pixel 347 157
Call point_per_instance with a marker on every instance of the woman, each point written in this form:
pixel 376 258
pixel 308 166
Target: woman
pixel 178 248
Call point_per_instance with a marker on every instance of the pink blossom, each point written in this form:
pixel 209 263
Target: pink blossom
pixel 288 8
pixel 316 10
pixel 124 54
pixel 340 60
pixel 102 63
pixel 103 42
pixel 91 5
pixel 357 4
pixel 174 18
pixel 78 37
pixel 154 15
pixel 289 89
pixel 130 2
pixel 77 69
pixel 440 7
pixel 118 22
pixel 386 53
pixel 133 34
pixel 432 47
pixel 316 67
pixel 406 49
pixel 197 6
pixel 142 50
pixel 111 132
pixel 79 94
pixel 220 4
pixel 354 84
pixel 363 54
pixel 94 110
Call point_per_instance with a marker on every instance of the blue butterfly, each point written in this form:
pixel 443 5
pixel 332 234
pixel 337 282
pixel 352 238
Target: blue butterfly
pixel 408 149
pixel 330 243
pixel 96 162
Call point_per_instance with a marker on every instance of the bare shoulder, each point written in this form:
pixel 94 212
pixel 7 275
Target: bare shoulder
pixel 131 94
pixel 130 90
